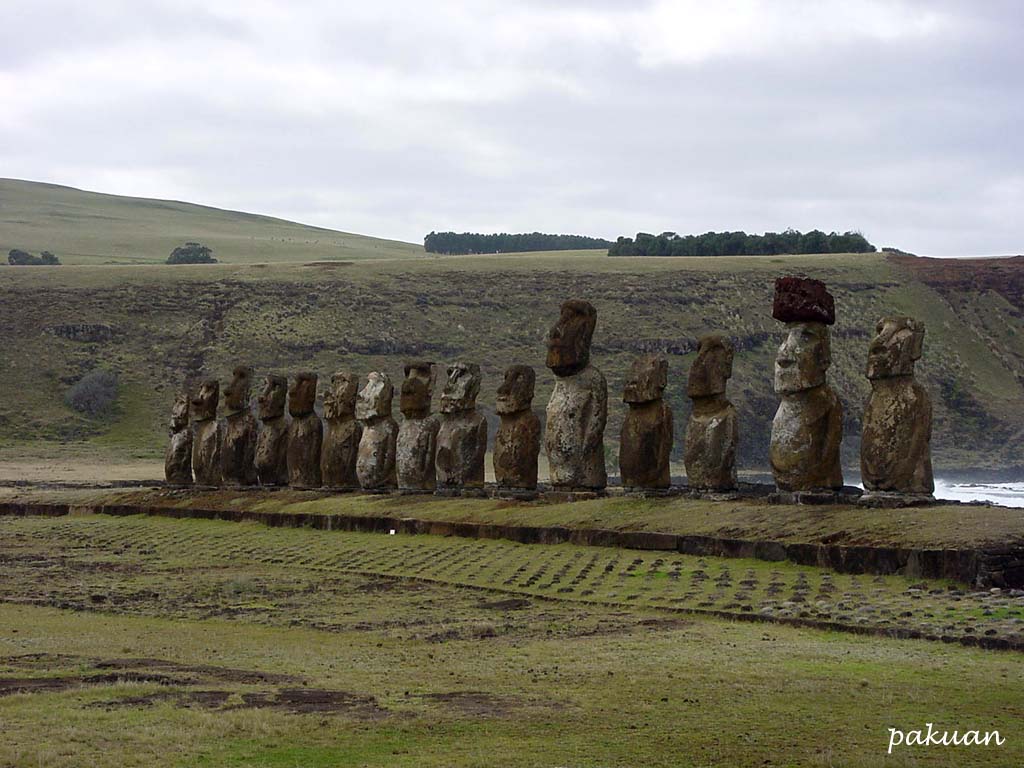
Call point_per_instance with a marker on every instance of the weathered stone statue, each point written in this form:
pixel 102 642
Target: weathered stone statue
pixel 238 432
pixel 305 433
pixel 462 437
pixel 808 427
pixel 895 449
pixel 578 408
pixel 712 432
pixel 341 433
pixel 272 441
pixel 416 447
pixel 375 465
pixel 206 434
pixel 517 442
pixel 646 439
pixel 178 459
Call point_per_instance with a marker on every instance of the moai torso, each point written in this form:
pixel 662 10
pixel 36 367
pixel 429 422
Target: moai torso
pixel 271 459
pixel 578 408
pixel 375 462
pixel 712 432
pixel 517 442
pixel 462 436
pixel 341 433
pixel 206 434
pixel 645 443
pixel 895 451
pixel 416 446
pixel 305 433
pixel 238 432
pixel 178 459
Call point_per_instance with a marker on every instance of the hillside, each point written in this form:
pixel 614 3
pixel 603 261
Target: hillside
pixel 159 325
pixel 93 228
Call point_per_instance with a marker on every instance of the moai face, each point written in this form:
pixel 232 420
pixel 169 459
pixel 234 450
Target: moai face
pixel 569 338
pixel 204 402
pixel 803 358
pixel 461 389
pixel 516 392
pixel 648 378
pixel 712 368
pixel 375 397
pixel 302 394
pixel 340 399
pixel 897 345
pixel 272 397
pixel 179 413
pixel 417 389
pixel 236 394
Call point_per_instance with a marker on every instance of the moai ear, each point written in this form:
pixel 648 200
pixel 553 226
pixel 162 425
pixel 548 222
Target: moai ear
pixel 662 373
pixel 917 341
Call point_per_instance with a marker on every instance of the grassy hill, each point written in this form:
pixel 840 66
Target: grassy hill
pixel 92 228
pixel 160 325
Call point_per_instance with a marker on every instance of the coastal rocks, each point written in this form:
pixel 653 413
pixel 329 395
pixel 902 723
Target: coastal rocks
pixel 578 408
pixel 271 458
pixel 895 455
pixel 646 438
pixel 375 462
pixel 712 432
pixel 462 436
pixel 808 426
pixel 416 446
pixel 305 433
pixel 206 434
pixel 517 442
pixel 178 459
pixel 238 432
pixel 342 433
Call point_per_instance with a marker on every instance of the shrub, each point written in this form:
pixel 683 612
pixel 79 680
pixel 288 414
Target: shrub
pixel 94 394
pixel 19 258
pixel 192 253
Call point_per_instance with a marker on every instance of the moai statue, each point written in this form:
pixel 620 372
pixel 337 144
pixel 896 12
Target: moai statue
pixel 578 408
pixel 178 459
pixel 713 430
pixel 895 449
pixel 272 441
pixel 341 433
pixel 238 432
pixel 375 464
pixel 646 439
pixel 462 437
pixel 206 434
pixel 417 434
pixel 808 426
pixel 305 433
pixel 517 442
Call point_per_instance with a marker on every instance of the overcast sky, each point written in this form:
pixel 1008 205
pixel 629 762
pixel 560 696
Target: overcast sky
pixel 900 119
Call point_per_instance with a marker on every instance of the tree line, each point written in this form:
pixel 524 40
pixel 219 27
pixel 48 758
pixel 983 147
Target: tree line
pixel 740 244
pixel 474 242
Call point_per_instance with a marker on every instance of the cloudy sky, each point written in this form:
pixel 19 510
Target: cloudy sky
pixel 898 118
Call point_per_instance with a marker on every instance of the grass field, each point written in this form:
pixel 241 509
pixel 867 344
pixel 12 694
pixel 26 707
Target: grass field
pixel 142 641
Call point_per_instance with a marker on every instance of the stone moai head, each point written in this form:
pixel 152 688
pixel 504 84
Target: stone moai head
pixel 204 401
pixel 516 392
pixel 179 412
pixel 236 393
pixel 569 338
pixel 340 398
pixel 272 397
pixel 461 388
pixel 647 380
pixel 712 368
pixel 417 389
pixel 807 309
pixel 895 348
pixel 375 397
pixel 302 394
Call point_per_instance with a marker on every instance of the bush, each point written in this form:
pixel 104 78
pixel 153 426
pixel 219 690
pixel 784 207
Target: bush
pixel 48 258
pixel 18 258
pixel 94 394
pixel 192 253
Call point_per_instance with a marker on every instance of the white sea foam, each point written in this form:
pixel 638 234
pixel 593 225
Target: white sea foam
pixel 1006 494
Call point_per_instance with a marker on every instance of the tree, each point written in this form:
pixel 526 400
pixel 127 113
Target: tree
pixel 19 258
pixel 48 258
pixel 191 253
